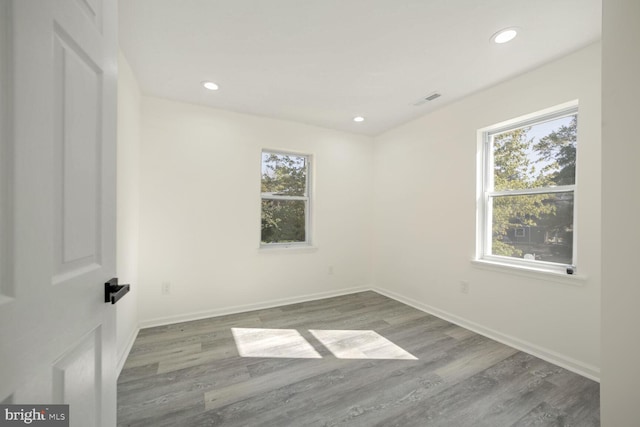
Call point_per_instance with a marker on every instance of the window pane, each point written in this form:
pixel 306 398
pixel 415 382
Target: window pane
pixel 540 155
pixel 284 174
pixel 535 226
pixel 283 221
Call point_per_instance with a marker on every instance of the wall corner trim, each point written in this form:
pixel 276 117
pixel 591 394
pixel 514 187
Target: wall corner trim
pixel 122 358
pixel 586 370
pixel 187 317
pixel 576 366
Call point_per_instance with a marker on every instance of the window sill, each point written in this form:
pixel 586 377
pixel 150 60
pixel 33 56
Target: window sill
pixel 531 272
pixel 285 248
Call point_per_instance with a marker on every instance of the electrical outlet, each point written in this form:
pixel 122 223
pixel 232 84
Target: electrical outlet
pixel 464 287
pixel 166 288
pixel 330 269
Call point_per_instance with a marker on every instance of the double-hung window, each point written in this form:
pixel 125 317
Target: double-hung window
pixel 528 182
pixel 285 199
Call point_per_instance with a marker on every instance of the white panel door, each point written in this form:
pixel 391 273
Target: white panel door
pixel 58 60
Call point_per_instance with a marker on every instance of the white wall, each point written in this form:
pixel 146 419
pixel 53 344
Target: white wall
pixel 200 213
pixel 425 210
pixel 620 213
pixel 128 205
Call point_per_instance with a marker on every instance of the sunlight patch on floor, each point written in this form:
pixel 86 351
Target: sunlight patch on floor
pixel 258 342
pixel 343 344
pixel 346 344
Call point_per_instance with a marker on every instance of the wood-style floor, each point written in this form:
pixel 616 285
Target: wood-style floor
pixel 355 360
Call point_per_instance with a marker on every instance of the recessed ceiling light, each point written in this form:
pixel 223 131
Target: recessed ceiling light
pixel 505 35
pixel 358 119
pixel 210 85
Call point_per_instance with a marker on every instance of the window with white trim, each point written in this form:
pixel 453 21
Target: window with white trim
pixel 528 182
pixel 285 199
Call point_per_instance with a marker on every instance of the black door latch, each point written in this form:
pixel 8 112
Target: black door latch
pixel 113 292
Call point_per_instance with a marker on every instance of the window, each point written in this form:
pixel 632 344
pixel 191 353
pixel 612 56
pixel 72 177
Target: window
pixel 285 199
pixel 528 181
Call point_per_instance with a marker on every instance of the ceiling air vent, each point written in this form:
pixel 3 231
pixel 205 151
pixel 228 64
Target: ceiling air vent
pixel 430 97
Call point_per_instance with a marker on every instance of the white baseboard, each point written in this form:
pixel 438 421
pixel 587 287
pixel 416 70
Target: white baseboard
pixel 168 320
pixel 122 358
pixel 580 368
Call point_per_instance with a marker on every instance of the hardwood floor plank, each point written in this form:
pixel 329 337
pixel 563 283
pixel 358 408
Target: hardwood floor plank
pixel 482 399
pixel 375 361
pixel 268 382
pixel 543 415
pixel 142 359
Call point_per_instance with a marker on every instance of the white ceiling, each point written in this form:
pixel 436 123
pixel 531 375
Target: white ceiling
pixel 323 62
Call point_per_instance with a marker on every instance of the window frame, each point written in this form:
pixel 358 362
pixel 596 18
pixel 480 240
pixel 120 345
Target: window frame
pixel 485 191
pixel 305 198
